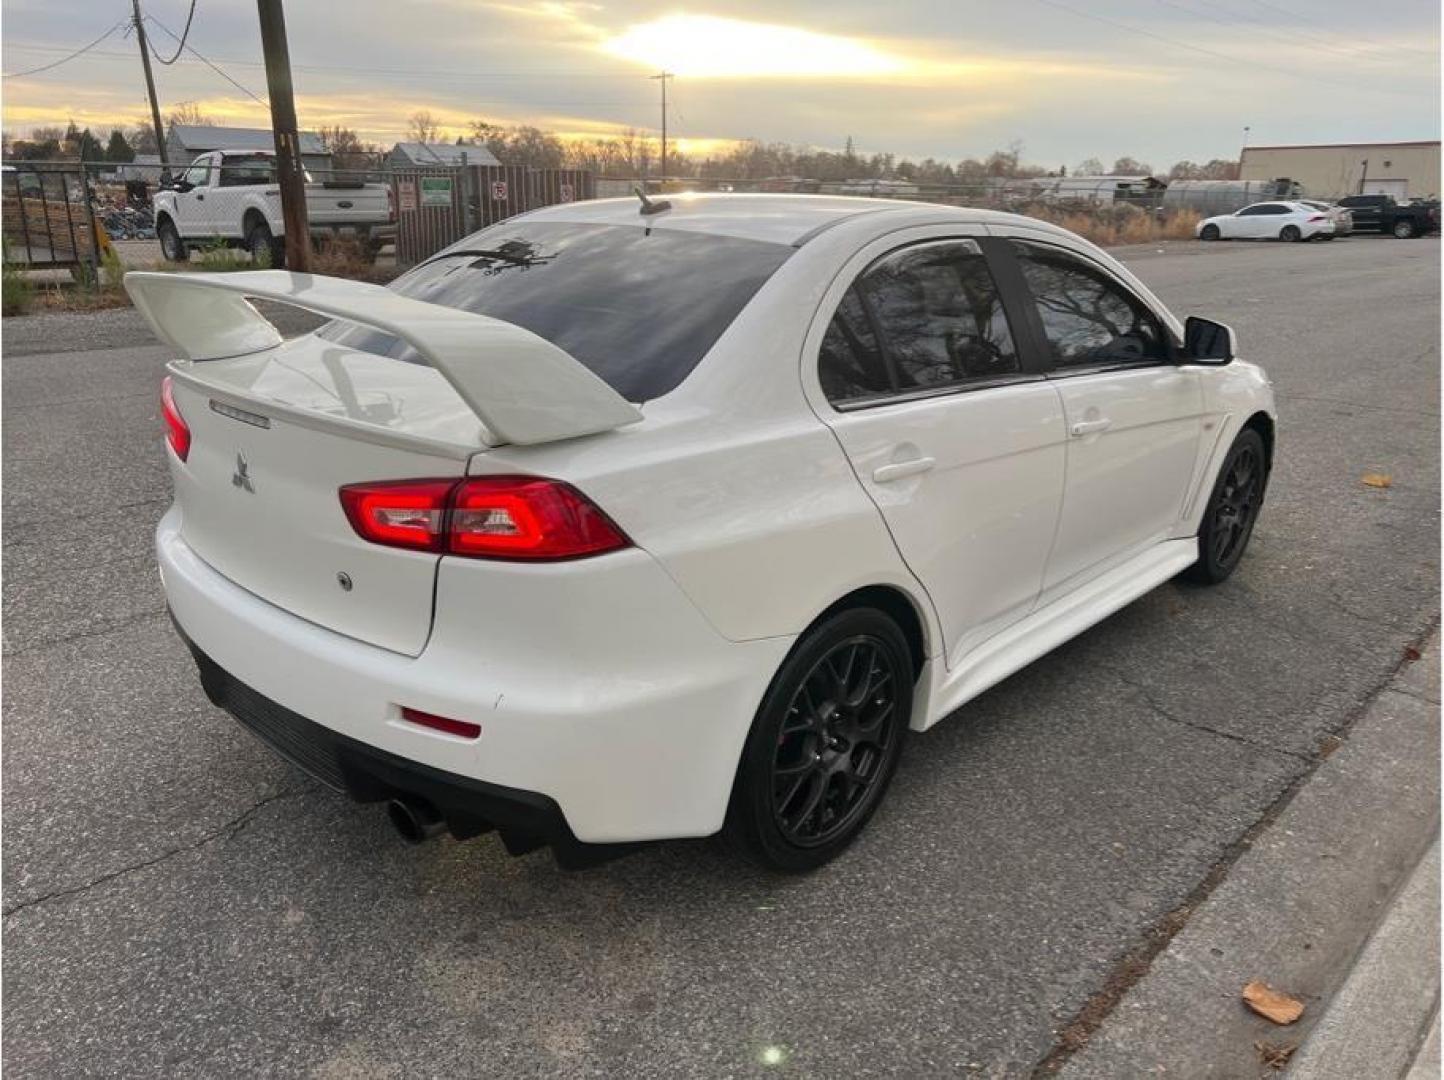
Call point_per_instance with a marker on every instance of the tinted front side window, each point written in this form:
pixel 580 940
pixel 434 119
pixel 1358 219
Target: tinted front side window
pixel 939 321
pixel 639 307
pixel 1087 318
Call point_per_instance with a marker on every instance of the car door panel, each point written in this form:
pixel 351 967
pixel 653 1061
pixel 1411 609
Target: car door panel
pixel 957 444
pixel 1133 417
pixel 1127 482
pixel 976 526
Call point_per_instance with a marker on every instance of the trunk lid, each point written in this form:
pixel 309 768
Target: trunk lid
pixel 274 438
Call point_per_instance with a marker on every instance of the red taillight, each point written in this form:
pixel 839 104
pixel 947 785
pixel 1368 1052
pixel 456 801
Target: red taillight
pixel 401 513
pixel 465 728
pixel 176 431
pixel 1319 217
pixel 487 517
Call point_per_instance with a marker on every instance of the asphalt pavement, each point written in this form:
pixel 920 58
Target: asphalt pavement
pixel 179 902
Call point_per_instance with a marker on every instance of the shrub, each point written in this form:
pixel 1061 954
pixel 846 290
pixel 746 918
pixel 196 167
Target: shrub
pixel 16 290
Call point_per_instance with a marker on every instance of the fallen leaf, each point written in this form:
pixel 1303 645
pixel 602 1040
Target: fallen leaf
pixel 1272 1004
pixel 1411 654
pixel 1377 479
pixel 1275 1055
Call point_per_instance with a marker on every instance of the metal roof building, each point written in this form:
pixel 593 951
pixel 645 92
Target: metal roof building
pixel 184 142
pixel 412 155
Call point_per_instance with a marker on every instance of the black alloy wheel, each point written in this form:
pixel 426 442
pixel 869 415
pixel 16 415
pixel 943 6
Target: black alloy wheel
pixel 1209 232
pixel 1232 511
pixel 1290 233
pixel 825 743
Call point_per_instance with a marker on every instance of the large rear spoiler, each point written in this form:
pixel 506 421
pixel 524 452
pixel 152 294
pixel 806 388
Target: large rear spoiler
pixel 522 388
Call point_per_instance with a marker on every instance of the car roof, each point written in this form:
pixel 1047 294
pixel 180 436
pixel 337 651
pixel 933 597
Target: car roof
pixel 781 219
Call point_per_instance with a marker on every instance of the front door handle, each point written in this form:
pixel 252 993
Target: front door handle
pixel 899 469
pixel 1091 427
pixel 200 198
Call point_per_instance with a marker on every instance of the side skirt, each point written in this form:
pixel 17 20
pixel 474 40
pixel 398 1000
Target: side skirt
pixel 1047 628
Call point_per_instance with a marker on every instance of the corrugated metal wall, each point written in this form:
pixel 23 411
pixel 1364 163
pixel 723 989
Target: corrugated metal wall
pixel 437 207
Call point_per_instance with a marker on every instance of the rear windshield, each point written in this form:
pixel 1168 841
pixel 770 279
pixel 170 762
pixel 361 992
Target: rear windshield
pixel 639 307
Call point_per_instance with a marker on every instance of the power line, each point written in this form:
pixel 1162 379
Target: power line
pixel 184 34
pixel 358 70
pixel 1306 21
pixel 1234 20
pixel 1177 44
pixel 196 53
pixel 65 59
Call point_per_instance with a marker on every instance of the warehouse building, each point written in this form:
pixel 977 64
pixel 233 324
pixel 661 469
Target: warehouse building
pixel 1405 170
pixel 186 142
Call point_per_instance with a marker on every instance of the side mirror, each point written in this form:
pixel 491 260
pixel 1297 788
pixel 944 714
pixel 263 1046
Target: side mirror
pixel 1206 342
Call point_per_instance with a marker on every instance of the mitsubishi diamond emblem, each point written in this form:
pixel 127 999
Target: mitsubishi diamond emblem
pixel 241 478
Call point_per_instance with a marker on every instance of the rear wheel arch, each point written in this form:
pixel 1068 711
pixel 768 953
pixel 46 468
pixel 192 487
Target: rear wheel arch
pixel 892 602
pixel 250 220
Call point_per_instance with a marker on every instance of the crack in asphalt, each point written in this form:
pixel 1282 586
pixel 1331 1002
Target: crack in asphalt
pixel 1146 693
pixel 108 627
pixel 225 832
pixel 1359 405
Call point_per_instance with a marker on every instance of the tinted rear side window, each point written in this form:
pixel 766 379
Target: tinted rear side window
pixel 638 307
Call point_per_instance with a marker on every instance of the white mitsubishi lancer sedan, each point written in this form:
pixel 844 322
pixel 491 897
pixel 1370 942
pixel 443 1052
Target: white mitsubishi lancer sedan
pixel 616 522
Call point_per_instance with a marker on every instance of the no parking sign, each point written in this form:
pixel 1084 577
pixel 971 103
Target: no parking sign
pixel 498 190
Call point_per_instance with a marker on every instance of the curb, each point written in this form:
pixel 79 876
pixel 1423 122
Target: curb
pixel 1297 908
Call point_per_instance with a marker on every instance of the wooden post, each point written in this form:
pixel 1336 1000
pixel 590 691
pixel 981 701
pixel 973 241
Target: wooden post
pixel 292 180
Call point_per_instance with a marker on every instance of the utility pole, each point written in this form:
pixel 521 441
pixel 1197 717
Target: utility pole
pixel 292 181
pixel 150 89
pixel 663 77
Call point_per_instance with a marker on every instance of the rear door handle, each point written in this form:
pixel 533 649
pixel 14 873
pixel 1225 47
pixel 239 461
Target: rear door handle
pixel 899 469
pixel 1091 427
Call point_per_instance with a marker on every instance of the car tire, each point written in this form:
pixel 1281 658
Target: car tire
pixel 1290 233
pixel 1403 229
pixel 1233 508
pixel 264 248
pixel 1209 232
pixel 172 247
pixel 824 744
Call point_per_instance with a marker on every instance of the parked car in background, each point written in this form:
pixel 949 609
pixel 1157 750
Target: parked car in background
pixel 1268 221
pixel 1341 216
pixel 231 197
pixel 1382 214
pixel 509 546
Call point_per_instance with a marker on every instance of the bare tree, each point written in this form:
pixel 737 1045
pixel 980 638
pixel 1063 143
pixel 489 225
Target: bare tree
pixel 188 112
pixel 422 127
pixel 1127 166
pixel 1088 167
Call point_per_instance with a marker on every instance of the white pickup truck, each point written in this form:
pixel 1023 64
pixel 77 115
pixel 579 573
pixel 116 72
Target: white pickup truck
pixel 231 197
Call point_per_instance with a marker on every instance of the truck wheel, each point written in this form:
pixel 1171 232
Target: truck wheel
pixel 265 249
pixel 1290 233
pixel 1403 228
pixel 171 244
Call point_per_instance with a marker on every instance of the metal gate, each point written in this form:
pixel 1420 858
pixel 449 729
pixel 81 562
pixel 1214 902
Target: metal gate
pixel 437 207
pixel 46 218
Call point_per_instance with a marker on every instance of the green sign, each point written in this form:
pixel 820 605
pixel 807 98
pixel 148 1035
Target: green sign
pixel 436 191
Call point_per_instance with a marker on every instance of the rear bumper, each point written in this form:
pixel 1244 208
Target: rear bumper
pixel 599 688
pixel 524 819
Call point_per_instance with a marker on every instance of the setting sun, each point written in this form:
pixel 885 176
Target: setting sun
pixel 702 46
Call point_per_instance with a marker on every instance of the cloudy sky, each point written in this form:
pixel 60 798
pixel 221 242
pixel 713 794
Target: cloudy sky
pixel 1160 80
